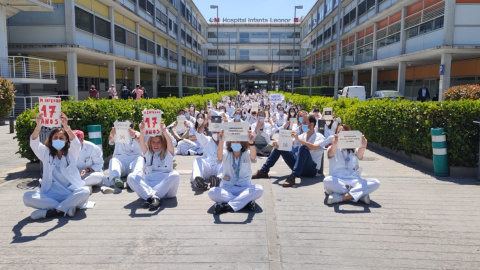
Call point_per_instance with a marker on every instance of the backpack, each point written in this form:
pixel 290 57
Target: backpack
pixel 125 93
pixel 145 95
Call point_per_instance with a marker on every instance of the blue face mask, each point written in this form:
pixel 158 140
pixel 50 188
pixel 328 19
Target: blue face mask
pixel 280 112
pixel 158 152
pixel 237 116
pixel 187 114
pixel 58 144
pixel 261 119
pixel 305 128
pixel 300 119
pixel 236 147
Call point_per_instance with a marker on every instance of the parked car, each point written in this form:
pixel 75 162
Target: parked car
pixel 387 94
pixel 354 92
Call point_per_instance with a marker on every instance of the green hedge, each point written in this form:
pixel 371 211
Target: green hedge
pixel 405 125
pixel 187 90
pixel 104 112
pixel 327 91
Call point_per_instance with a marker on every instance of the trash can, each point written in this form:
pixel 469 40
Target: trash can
pixel 95 134
pixel 439 147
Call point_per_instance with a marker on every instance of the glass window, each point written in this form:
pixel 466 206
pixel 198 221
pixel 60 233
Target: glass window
pixel 131 39
pixel 258 35
pixel 102 27
pixel 83 20
pixel 162 17
pixel 165 53
pixel 212 35
pixel 120 35
pixel 438 23
pixel 159 51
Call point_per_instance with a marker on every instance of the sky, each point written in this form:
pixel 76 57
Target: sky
pixel 280 9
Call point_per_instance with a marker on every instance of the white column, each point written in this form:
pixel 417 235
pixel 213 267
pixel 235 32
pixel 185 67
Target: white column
pixel 355 50
pixel 3 42
pixel 137 31
pixel 154 83
pixel 111 16
pixel 445 78
pixel 70 21
pixel 403 34
pixel 136 74
pixel 449 22
pixel 402 71
pixel 355 77
pixel 72 76
pixel 111 73
pixel 167 78
pixel 374 80
pixel 374 45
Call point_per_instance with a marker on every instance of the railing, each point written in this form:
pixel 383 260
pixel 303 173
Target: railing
pixel 47 2
pixel 22 103
pixel 21 67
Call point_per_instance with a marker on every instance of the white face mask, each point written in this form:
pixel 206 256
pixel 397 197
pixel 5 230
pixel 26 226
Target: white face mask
pixel 328 122
pixel 215 136
pixel 200 120
pixel 292 113
pixel 202 111
pixel 192 108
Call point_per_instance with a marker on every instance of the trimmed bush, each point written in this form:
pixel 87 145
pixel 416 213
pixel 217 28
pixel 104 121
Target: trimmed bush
pixel 327 91
pixel 7 95
pixel 165 91
pixel 463 92
pixel 104 112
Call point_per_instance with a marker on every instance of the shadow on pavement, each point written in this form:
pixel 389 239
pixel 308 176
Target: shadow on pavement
pixel 137 205
pixel 300 181
pixel 22 175
pixel 249 219
pixel 61 221
pixel 362 208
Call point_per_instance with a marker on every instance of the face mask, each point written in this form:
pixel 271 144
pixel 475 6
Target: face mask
pixel 187 114
pixel 202 111
pixel 298 107
pixel 328 122
pixel 280 112
pixel 210 109
pixel 236 147
pixel 290 104
pixel 215 136
pixel 300 119
pixel 237 116
pixel 305 128
pixel 158 152
pixel 292 113
pixel 261 118
pixel 200 120
pixel 58 144
pixel 192 108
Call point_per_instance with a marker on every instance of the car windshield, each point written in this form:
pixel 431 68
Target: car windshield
pixel 391 94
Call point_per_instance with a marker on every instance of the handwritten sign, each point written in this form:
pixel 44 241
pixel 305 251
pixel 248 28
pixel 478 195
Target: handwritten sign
pixel 276 98
pixel 255 106
pixel 293 121
pixel 285 141
pixel 122 135
pixel 50 107
pixel 181 119
pixel 236 131
pixel 152 119
pixel 327 113
pixel 215 124
pixel 349 139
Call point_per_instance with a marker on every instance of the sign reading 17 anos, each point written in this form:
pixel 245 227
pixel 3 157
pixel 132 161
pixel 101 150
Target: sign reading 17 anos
pixel 251 20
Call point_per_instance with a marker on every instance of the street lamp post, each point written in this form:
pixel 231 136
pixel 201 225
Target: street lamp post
pixel 205 48
pixel 218 21
pixel 227 34
pixel 309 48
pixel 293 51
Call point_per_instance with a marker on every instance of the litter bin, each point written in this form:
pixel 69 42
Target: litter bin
pixel 321 130
pixel 95 134
pixel 439 147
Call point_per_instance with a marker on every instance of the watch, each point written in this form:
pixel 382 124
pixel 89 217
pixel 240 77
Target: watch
pixel 251 144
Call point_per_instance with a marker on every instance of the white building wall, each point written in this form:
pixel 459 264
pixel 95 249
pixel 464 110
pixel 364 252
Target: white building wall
pixel 426 41
pixel 45 34
pixel 467 24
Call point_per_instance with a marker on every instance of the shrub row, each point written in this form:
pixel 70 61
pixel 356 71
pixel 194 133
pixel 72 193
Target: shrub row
pixel 187 90
pixel 463 92
pixel 405 125
pixel 327 91
pixel 104 112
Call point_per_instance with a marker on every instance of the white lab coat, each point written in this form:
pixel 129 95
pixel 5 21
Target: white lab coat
pixel 91 156
pixel 206 165
pixel 236 191
pixel 127 159
pixel 345 176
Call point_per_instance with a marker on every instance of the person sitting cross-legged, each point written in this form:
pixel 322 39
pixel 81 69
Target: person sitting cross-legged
pixel 304 162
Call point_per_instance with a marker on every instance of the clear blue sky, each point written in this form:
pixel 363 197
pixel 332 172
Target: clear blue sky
pixel 282 9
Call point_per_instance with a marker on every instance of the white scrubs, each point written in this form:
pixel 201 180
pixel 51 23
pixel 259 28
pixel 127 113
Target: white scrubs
pixel 127 160
pixel 188 147
pixel 62 188
pixel 159 179
pixel 345 177
pixel 236 191
pixel 206 165
pixel 91 156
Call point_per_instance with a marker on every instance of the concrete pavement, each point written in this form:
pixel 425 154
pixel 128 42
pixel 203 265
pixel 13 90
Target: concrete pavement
pixel 415 221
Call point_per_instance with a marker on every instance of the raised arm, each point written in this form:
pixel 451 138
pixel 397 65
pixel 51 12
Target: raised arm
pixel 143 144
pixel 332 150
pixel 220 147
pixel 253 149
pixel 361 150
pixel 170 147
pixel 37 129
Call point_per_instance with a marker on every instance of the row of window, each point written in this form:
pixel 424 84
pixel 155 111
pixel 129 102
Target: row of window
pixel 92 24
pixel 253 35
pixel 256 52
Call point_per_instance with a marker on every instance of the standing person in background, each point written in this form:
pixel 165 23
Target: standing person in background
pixel 145 93
pixel 137 93
pixel 93 93
pixel 423 94
pixel 112 92
pixel 125 93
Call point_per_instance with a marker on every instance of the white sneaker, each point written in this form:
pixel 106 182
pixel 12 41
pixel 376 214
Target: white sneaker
pixel 90 189
pixel 334 198
pixel 38 214
pixel 71 212
pixel 365 199
pixel 107 190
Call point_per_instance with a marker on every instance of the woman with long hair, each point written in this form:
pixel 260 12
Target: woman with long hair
pixel 62 190
pixel 159 180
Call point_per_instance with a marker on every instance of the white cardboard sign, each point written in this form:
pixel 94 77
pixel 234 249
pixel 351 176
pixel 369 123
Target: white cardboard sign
pixel 152 119
pixel 215 124
pixel 285 141
pixel 255 106
pixel 236 131
pixel 121 132
pixel 327 113
pixel 349 139
pixel 50 107
pixel 276 98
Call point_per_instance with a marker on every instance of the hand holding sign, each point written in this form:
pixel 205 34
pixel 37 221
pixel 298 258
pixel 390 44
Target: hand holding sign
pixel 285 142
pixel 152 120
pixel 122 134
pixel 327 113
pixel 50 109
pixel 349 139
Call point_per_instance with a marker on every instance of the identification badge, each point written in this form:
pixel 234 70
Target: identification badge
pixel 149 169
pixel 226 178
pixel 88 160
pixel 359 170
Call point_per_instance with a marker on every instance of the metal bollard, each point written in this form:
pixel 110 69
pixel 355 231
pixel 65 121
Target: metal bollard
pixel 95 134
pixel 321 130
pixel 439 147
pixel 12 128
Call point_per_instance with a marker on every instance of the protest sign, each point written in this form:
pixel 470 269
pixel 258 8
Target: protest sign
pixel 236 131
pixel 122 135
pixel 50 107
pixel 255 106
pixel 327 114
pixel 349 139
pixel 276 98
pixel 152 120
pixel 215 124
pixel 285 141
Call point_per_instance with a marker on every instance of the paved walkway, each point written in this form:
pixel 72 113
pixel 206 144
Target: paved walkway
pixel 415 221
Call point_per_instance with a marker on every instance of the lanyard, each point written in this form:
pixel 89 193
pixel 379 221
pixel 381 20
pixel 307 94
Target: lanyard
pixel 346 159
pixel 235 166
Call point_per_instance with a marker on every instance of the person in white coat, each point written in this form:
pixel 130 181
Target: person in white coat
pixel 344 182
pixel 205 169
pixel 62 190
pixel 127 159
pixel 159 179
pixel 90 162
pixel 262 132
pixel 236 189
pixel 191 146
pixel 279 119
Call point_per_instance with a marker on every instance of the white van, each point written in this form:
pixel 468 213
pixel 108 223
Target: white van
pixel 354 92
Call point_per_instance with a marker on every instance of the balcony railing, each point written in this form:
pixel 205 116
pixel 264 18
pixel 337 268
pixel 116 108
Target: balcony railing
pixel 21 67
